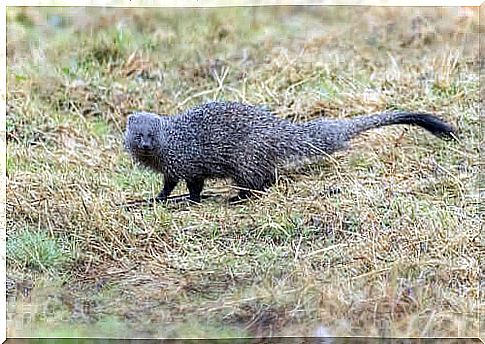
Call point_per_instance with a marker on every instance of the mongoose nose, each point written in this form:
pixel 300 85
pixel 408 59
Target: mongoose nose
pixel 145 146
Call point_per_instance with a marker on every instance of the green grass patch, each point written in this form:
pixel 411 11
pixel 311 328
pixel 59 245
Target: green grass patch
pixel 35 250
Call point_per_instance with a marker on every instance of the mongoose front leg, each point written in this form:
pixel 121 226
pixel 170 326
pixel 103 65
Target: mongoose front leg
pixel 169 184
pixel 195 187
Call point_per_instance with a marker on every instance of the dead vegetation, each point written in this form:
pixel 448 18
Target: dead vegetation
pixel 382 240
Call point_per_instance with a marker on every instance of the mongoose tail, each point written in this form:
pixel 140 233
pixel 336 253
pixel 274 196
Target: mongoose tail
pixel 427 121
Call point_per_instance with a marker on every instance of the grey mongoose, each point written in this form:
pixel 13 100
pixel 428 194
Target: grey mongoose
pixel 245 143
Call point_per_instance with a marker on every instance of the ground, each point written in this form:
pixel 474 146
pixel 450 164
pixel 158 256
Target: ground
pixel 379 240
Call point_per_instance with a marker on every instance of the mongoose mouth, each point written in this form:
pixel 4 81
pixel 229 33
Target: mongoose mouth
pixel 145 152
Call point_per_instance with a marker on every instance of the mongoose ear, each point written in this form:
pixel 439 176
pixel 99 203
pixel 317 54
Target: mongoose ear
pixel 131 119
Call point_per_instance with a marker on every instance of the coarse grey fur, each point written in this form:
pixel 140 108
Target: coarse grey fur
pixel 245 143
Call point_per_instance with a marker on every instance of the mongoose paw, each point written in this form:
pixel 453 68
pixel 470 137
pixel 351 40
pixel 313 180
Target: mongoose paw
pixel 236 200
pixel 159 199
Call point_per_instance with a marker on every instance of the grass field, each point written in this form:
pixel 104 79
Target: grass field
pixel 394 252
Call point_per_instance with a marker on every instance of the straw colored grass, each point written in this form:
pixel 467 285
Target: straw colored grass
pixel 381 240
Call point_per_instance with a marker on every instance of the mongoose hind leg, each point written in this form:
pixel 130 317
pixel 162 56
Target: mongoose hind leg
pixel 195 187
pixel 242 196
pixel 253 187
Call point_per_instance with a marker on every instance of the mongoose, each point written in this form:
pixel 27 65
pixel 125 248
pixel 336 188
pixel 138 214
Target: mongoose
pixel 245 143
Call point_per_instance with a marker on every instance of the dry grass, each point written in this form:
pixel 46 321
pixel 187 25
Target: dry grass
pixel 394 253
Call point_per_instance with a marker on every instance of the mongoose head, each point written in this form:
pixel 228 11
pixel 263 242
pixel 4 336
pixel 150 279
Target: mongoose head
pixel 142 136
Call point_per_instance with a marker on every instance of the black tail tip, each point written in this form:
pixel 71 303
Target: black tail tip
pixel 435 125
pixel 442 129
pixel 450 135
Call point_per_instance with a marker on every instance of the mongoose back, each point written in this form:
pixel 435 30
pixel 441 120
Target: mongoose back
pixel 245 143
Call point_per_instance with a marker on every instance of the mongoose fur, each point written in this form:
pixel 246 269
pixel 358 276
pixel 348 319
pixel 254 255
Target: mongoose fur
pixel 245 143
